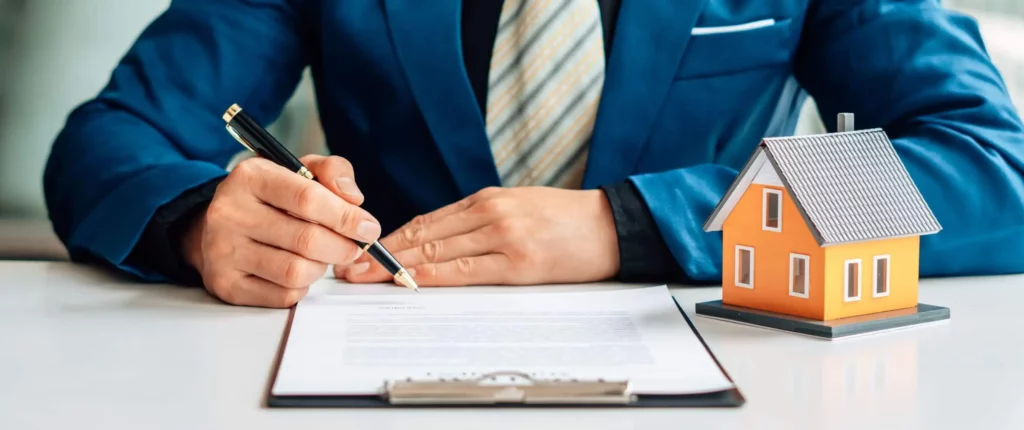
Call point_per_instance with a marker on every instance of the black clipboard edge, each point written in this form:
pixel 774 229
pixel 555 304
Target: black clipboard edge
pixel 719 399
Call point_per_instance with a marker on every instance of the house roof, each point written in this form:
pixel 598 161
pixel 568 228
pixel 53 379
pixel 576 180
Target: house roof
pixel 849 187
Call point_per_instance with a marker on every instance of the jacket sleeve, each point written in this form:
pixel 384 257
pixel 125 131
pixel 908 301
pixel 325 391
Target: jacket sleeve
pixel 156 131
pixel 921 72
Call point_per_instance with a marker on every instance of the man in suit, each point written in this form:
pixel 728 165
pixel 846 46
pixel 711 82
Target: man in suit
pixel 516 141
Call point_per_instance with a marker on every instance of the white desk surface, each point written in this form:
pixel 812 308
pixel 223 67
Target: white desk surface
pixel 82 349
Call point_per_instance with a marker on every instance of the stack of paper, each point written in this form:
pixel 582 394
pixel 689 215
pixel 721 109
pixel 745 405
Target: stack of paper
pixel 354 344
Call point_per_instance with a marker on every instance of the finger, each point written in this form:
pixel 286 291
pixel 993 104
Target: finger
pixel 255 291
pixel 447 210
pixel 406 236
pixel 313 241
pixel 446 222
pixel 309 200
pixel 490 269
pixel 340 269
pixel 472 244
pixel 279 266
pixel 337 175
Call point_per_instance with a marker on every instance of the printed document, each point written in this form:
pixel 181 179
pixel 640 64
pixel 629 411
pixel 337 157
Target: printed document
pixel 354 344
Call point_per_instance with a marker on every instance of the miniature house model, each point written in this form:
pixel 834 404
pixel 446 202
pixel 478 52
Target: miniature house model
pixel 822 227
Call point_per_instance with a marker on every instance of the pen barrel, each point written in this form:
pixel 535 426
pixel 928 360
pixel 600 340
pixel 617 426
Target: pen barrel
pixel 262 141
pixel 377 251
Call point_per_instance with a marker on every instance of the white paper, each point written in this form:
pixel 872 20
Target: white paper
pixel 354 344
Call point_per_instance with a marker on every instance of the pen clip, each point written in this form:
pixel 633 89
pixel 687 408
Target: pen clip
pixel 233 133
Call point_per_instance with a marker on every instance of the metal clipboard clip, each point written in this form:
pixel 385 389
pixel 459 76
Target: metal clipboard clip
pixel 484 391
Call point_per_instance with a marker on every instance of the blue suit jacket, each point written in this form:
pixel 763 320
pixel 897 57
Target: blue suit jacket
pixel 680 113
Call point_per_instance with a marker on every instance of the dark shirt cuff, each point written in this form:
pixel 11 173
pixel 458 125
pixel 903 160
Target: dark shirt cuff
pixel 159 248
pixel 643 254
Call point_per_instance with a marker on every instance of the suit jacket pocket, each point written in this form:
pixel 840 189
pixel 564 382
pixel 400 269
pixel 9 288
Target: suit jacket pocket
pixel 736 48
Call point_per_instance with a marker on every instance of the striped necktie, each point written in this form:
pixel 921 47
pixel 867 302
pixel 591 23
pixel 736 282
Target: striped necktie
pixel 546 75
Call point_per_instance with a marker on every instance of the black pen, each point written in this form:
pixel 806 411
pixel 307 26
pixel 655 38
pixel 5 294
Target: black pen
pixel 254 137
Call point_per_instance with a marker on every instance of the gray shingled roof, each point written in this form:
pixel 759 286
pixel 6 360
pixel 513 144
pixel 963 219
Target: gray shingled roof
pixel 851 186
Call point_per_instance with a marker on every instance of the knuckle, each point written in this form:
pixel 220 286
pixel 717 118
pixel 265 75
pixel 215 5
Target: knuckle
pixel 290 297
pixel 296 272
pixel 306 199
pixel 218 211
pixel 347 219
pixel 225 290
pixel 431 251
pixel 506 227
pixel 464 266
pixel 414 234
pixel 464 204
pixel 246 168
pixel 340 163
pixel 418 220
pixel 305 241
pixel 494 205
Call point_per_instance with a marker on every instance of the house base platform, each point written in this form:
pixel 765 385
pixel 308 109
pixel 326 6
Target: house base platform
pixel 831 330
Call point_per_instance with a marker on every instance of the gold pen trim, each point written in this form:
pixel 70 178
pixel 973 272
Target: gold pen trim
pixel 305 173
pixel 368 245
pixel 231 112
pixel 403 278
pixel 234 134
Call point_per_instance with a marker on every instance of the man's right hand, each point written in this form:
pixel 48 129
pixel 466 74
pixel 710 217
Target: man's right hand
pixel 269 233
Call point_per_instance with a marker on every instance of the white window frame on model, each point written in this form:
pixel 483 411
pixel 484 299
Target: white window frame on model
pixel 846 279
pixel 888 274
pixel 764 209
pixel 736 265
pixel 807 275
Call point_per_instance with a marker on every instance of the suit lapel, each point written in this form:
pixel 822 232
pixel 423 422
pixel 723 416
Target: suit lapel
pixel 427 40
pixel 650 38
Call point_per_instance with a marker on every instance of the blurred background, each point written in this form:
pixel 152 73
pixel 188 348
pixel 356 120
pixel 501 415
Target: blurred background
pixel 54 54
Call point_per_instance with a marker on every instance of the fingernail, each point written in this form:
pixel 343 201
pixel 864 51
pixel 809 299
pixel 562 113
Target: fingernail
pixel 359 253
pixel 368 231
pixel 357 269
pixel 348 186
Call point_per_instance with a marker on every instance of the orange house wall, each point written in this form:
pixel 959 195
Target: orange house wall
pixel 771 258
pixel 903 276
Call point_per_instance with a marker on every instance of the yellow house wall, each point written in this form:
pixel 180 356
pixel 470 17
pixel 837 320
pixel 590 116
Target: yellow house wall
pixel 903 281
pixel 771 258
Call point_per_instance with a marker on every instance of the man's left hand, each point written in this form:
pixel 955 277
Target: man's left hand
pixel 504 236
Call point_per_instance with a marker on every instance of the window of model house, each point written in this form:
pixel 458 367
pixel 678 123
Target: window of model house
pixel 772 215
pixel 881 276
pixel 799 275
pixel 744 266
pixel 851 280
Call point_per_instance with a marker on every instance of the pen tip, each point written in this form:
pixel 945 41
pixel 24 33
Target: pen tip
pixel 403 278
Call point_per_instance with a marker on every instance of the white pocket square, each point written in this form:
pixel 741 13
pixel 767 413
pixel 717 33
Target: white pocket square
pixel 704 31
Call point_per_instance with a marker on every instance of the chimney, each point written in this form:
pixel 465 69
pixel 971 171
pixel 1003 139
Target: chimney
pixel 845 123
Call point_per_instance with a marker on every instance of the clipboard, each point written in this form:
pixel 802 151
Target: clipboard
pixel 525 392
